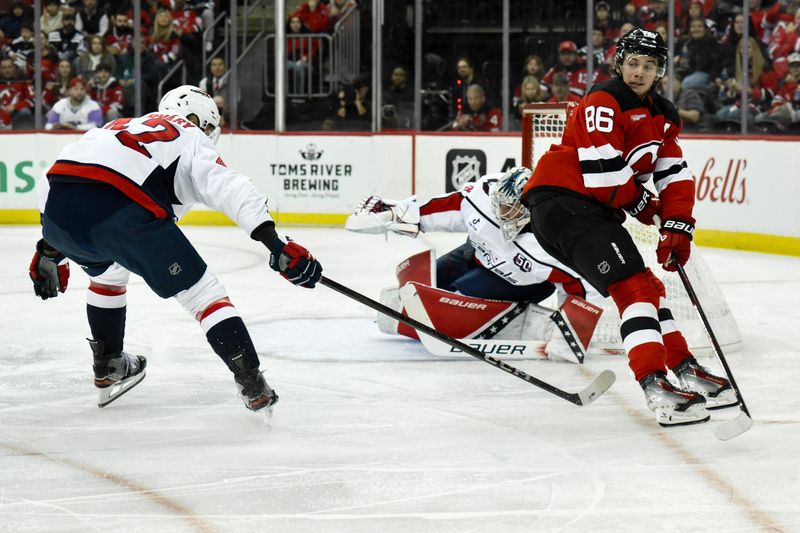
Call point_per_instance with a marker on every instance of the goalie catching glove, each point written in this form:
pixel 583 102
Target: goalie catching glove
pixel 49 271
pixel 381 215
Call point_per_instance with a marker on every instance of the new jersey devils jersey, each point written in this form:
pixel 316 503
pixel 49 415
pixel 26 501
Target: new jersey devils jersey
pixel 613 143
pixel 521 261
pixel 165 164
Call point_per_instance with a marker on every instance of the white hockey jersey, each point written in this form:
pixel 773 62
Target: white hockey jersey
pixel 521 261
pixel 165 164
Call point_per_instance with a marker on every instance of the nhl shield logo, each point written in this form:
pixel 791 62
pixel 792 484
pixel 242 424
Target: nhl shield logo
pixel 604 267
pixel 463 166
pixel 175 269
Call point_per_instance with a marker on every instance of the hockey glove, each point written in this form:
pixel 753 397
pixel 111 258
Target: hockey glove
pixel 645 207
pixel 676 238
pixel 296 264
pixel 49 271
pixel 381 215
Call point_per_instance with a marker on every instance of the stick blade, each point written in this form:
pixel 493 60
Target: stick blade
pixel 733 428
pixel 596 388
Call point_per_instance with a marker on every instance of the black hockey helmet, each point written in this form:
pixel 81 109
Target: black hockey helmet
pixel 642 42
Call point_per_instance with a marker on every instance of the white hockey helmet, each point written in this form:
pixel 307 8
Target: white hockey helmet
pixel 506 204
pixel 188 100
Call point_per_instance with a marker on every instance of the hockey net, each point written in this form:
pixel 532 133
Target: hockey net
pixel 543 125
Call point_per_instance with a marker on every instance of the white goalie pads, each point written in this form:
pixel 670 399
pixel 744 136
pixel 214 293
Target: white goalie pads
pixel 381 215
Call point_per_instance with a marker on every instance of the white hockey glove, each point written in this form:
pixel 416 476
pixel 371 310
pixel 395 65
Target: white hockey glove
pixel 381 215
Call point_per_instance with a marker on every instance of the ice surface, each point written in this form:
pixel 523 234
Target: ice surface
pixel 371 433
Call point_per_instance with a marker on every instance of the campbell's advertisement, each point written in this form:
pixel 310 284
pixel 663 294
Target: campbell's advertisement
pixel 746 186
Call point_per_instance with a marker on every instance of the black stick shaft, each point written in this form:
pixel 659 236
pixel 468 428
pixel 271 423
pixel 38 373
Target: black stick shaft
pixel 419 326
pixel 696 303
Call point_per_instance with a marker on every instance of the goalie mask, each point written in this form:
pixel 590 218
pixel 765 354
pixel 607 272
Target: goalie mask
pixel 188 100
pixel 506 205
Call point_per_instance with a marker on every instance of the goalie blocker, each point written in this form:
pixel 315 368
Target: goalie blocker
pixel 503 328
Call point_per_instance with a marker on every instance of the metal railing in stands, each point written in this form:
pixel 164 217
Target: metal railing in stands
pixel 317 74
pixel 180 65
pixel 248 9
pixel 346 55
pixel 222 46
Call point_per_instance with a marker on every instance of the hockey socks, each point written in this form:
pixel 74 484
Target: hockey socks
pixel 227 335
pixel 106 310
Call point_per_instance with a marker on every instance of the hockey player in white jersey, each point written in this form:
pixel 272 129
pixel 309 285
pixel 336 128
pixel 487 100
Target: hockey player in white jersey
pixel 110 203
pixel 501 259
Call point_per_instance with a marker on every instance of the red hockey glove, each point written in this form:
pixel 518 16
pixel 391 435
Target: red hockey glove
pixel 676 237
pixel 49 271
pixel 296 264
pixel 645 207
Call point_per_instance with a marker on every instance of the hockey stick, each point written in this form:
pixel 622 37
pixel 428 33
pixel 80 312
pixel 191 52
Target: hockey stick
pixel 584 397
pixel 744 421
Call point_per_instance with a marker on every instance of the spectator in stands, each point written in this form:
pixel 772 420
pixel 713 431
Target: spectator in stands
pixel 351 109
pixel 532 66
pixel 217 80
pixel 695 11
pixel 75 112
pixel 465 76
pixel 600 53
pixel 16 97
pixel 479 114
pixel 56 88
pixel 785 109
pixel 698 61
pixel 189 27
pixel 222 110
pixel 314 15
pixel 603 22
pixel 398 100
pixel 569 66
pixel 49 59
pixel 51 19
pixel 86 63
pixel 689 102
pixel 531 92
pixel 786 38
pixel 337 9
pixel 763 85
pixel 561 91
pixel 119 38
pixel 11 23
pixel 91 19
pixel 68 42
pixel 164 43
pixel 301 52
pixel 107 92
pixel 21 49
pixel 652 14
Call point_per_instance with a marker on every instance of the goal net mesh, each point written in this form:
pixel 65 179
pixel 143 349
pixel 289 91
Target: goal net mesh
pixel 543 125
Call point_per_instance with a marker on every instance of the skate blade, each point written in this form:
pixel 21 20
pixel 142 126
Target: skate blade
pixel 694 415
pixel 112 392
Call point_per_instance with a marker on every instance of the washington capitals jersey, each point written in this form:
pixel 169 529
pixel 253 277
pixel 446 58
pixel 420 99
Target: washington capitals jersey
pixel 521 261
pixel 165 164
pixel 613 143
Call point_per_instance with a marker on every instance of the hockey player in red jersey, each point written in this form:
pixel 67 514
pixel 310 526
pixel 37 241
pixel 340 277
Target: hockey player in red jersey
pixel 110 203
pixel 620 136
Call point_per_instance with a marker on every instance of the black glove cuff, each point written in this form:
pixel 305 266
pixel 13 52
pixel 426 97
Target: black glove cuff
pixel 268 236
pixel 679 226
pixel 46 250
pixel 640 204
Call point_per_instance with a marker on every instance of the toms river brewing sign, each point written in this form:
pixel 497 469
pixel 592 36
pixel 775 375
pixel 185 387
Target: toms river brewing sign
pixel 311 172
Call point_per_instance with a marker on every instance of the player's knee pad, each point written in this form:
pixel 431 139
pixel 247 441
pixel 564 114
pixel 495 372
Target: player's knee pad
pixel 197 298
pixel 114 275
pixel 106 296
pixel 638 288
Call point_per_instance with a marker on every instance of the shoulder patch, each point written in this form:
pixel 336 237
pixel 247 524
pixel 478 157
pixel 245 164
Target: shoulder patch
pixel 624 96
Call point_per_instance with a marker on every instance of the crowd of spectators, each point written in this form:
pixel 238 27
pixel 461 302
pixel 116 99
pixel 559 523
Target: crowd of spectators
pixel 87 56
pixel 707 84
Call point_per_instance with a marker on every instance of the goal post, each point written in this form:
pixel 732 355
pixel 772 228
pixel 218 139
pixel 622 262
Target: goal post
pixel 542 126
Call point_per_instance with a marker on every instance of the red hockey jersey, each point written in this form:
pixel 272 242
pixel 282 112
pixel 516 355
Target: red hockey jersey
pixel 613 143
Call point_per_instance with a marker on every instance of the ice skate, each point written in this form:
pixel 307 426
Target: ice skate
pixel 716 390
pixel 253 388
pixel 115 373
pixel 673 406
